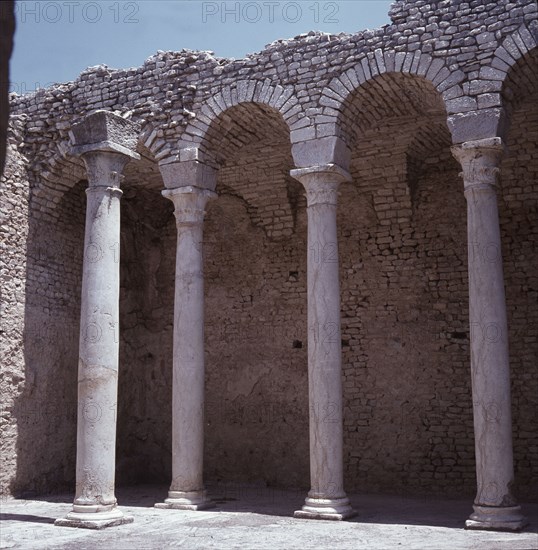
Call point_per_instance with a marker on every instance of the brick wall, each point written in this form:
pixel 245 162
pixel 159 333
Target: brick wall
pixel 402 241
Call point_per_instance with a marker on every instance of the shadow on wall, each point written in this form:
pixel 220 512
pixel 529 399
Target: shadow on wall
pixel 255 274
pixel 256 366
pixel 148 246
pixel 518 216
pixel 408 419
pixel 404 297
pixel 46 408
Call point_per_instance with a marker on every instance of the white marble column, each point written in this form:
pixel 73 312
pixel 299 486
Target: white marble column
pixel 95 502
pixel 494 507
pixel 187 488
pixel 327 498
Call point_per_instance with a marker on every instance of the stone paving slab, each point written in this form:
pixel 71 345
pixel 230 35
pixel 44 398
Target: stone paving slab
pixel 259 518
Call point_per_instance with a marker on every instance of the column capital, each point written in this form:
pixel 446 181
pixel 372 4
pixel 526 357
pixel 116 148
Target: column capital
pixel 189 203
pixel 321 182
pixel 104 168
pixel 183 173
pixel 106 142
pixel 480 161
pixel 104 131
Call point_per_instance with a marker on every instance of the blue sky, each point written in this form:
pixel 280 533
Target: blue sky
pixel 56 40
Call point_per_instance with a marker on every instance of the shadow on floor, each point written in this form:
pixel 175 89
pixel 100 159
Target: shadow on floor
pixel 26 517
pixel 260 500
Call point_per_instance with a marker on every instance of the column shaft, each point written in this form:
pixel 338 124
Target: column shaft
pixel 327 498
pixel 187 488
pixel 495 506
pixel 98 352
pixel 95 502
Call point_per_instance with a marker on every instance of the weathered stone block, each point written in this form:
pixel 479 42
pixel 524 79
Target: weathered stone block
pixel 188 173
pixel 476 125
pixel 105 127
pixel 327 150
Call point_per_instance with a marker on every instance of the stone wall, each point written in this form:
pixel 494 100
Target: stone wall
pixel 40 323
pixel 518 215
pixel 14 231
pixel 395 99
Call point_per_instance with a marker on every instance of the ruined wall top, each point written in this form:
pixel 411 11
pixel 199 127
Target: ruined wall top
pixel 461 51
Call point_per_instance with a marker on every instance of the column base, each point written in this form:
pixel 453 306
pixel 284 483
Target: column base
pixel 192 500
pixel 336 509
pixel 491 518
pixel 95 520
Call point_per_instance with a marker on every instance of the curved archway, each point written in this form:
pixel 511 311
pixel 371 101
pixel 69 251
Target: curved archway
pixel 404 317
pixel 422 71
pixel 520 84
pixel 395 100
pixel 258 92
pixel 55 177
pixel 255 316
pixel 147 267
pixel 518 212
pixel 57 170
pixel 514 50
pixel 482 112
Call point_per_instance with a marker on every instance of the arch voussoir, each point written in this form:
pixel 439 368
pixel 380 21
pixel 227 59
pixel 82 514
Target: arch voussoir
pixel 377 63
pixel 220 102
pixel 513 48
pixel 263 92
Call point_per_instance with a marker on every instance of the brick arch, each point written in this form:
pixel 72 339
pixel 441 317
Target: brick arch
pixel 340 89
pixel 515 64
pixel 56 174
pixel 485 113
pixel 151 139
pixel 488 90
pixel 278 98
pixel 514 47
pixel 51 173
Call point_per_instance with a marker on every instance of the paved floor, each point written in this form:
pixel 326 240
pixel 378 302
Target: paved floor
pixel 256 517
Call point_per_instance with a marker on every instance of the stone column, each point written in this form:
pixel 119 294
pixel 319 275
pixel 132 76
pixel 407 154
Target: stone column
pixel 98 139
pixel 187 488
pixel 494 507
pixel 326 499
